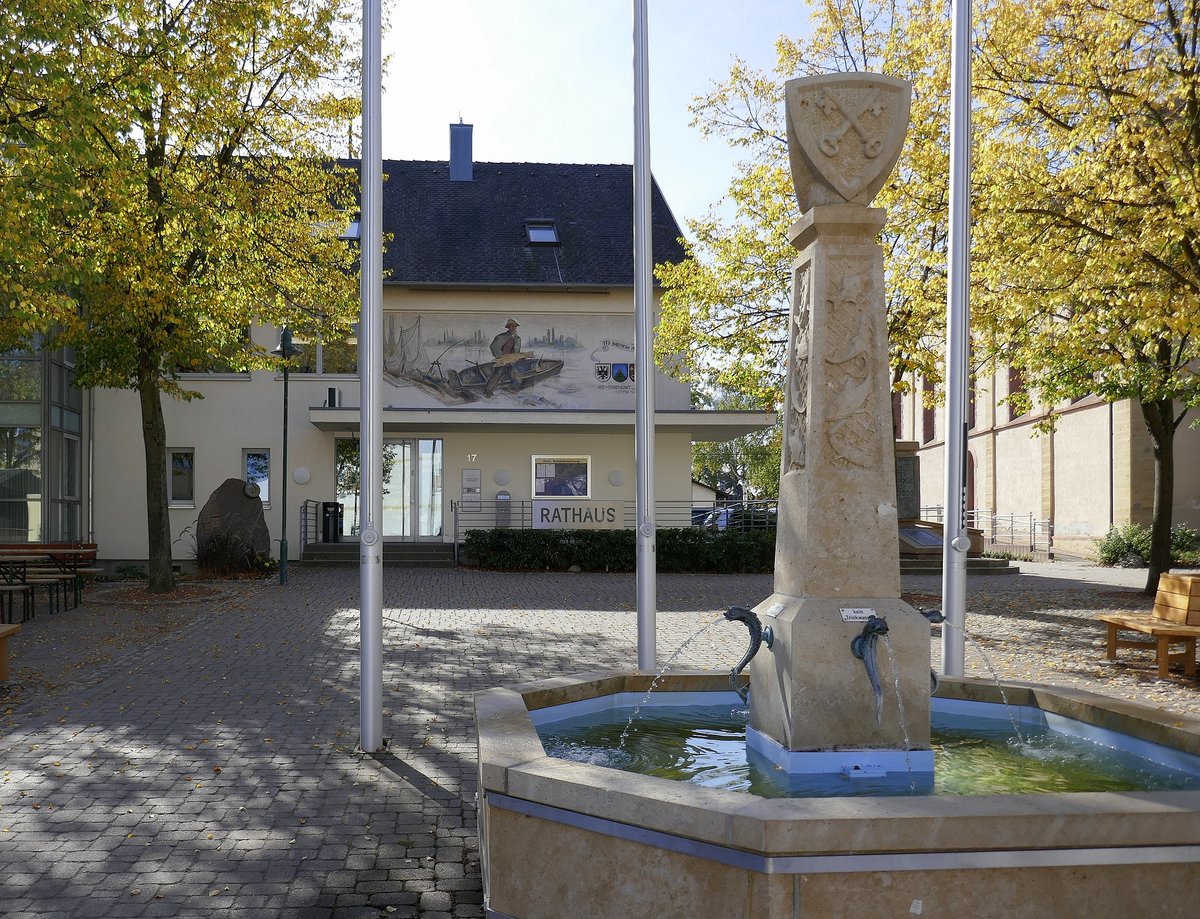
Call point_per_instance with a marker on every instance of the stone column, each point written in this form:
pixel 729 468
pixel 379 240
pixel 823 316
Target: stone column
pixel 837 553
pixel 837 486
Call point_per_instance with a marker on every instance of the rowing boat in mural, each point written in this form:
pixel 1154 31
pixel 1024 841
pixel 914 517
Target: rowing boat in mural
pixel 405 361
pixel 510 373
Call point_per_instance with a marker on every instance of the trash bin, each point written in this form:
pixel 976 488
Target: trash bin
pixel 331 521
pixel 503 509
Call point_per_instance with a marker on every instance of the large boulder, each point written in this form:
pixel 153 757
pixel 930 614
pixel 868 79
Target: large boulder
pixel 231 531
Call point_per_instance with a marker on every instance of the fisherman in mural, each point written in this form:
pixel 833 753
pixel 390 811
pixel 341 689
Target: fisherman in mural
pixel 508 341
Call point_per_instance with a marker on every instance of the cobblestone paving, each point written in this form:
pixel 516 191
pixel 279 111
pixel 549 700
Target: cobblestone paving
pixel 199 760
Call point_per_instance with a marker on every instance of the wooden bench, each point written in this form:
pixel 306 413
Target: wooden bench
pixel 1175 620
pixel 5 632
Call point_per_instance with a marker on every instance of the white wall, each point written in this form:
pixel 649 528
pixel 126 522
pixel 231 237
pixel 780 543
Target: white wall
pixel 246 413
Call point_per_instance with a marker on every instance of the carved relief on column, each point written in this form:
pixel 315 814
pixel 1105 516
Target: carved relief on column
pixel 795 427
pixel 850 429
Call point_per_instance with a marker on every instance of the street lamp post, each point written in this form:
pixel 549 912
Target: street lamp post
pixel 286 351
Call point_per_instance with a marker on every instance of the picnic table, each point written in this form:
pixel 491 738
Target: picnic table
pixel 58 568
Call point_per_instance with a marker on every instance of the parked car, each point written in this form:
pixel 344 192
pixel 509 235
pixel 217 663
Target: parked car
pixel 717 518
pixel 757 515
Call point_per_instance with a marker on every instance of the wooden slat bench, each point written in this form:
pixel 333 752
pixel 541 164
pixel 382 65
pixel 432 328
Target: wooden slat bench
pixel 5 632
pixel 1175 620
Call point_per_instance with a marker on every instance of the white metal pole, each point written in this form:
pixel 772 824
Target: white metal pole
pixel 956 541
pixel 643 267
pixel 370 370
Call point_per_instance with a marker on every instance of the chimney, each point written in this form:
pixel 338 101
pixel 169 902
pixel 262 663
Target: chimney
pixel 461 165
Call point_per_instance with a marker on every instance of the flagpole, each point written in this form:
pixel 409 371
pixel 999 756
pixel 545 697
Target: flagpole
pixel 955 539
pixel 643 267
pixel 370 371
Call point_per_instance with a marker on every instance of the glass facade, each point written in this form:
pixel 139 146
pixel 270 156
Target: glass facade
pixel 412 487
pixel 41 453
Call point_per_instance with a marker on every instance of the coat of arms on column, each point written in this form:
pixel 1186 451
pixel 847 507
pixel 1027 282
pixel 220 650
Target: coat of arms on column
pixel 845 133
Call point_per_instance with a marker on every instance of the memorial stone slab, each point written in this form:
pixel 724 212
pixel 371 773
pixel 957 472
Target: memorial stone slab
pixel 233 515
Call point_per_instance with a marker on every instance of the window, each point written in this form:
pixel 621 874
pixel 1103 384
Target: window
pixel 181 476
pixel 928 413
pixel 256 469
pixel 21 474
pixel 70 466
pixel 541 232
pixel 561 476
pixel 1017 405
pixel 20 378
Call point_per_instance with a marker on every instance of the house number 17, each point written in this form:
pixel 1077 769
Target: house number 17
pixel 471 457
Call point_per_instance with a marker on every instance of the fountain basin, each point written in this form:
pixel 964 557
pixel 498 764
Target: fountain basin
pixel 560 838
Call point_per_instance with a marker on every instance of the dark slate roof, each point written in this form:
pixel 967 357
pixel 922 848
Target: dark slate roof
pixel 453 233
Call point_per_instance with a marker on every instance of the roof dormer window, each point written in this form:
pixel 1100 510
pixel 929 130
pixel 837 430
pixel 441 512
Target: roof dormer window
pixel 541 232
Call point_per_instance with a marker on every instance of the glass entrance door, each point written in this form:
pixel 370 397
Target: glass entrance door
pixel 412 488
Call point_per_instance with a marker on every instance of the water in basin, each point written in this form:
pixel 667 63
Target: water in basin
pixel 976 752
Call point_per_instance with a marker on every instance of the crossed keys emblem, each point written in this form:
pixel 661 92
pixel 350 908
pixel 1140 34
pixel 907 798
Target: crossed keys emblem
pixel 845 133
pixel 831 142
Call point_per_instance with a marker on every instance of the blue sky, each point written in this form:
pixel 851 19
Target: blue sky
pixel 552 81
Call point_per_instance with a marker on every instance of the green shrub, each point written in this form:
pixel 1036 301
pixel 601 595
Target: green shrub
pixel 1184 540
pixel 1133 539
pixel 1009 555
pixel 687 549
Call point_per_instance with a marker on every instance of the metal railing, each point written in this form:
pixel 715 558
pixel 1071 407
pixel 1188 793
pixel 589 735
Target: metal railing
pixel 518 515
pixel 310 523
pixel 1020 534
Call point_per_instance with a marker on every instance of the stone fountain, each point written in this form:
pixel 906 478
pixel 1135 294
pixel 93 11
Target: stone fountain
pixel 837 487
pixel 561 838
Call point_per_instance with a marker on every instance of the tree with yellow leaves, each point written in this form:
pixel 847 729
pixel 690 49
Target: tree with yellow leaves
pixel 1087 250
pixel 725 307
pixel 168 180
pixel 1086 207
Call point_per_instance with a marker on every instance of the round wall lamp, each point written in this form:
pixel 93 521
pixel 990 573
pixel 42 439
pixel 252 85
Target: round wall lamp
pixel 502 477
pixel 301 475
pixel 616 478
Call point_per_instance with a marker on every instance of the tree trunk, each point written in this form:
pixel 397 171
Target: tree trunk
pixel 1160 421
pixel 158 521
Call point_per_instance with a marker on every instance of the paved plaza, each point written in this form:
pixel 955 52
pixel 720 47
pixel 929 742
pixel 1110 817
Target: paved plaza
pixel 198 758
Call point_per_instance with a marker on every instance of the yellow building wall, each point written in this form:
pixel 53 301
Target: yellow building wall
pixel 1095 470
pixel 1187 473
pixel 1083 472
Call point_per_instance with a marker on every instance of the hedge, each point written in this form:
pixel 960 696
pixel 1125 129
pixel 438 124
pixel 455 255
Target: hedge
pixel 687 549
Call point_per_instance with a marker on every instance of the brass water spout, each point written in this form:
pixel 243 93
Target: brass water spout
pixel 758 635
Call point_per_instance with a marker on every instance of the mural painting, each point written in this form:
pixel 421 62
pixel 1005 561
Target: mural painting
pixel 473 360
